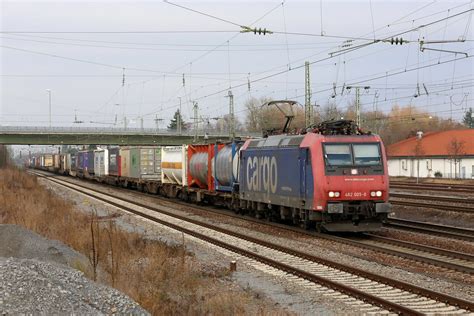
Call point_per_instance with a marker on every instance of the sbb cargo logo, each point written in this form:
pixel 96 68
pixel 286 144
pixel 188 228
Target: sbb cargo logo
pixel 262 173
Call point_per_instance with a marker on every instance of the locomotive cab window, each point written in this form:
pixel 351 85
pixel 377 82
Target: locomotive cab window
pixel 366 154
pixel 338 155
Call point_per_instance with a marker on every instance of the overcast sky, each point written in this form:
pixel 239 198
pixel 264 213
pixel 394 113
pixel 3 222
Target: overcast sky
pixel 79 49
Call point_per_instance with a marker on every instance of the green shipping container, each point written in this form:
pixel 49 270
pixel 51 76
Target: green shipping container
pixel 150 162
pixel 141 162
pixel 130 160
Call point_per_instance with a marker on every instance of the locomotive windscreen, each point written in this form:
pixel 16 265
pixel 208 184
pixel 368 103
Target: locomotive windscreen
pixel 359 154
pixel 366 154
pixel 338 154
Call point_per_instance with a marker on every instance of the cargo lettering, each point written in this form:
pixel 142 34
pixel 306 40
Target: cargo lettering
pixel 262 173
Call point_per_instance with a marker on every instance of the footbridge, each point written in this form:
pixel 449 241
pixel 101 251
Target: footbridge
pixel 27 135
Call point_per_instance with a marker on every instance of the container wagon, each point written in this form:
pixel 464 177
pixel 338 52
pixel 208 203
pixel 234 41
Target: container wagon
pixel 141 168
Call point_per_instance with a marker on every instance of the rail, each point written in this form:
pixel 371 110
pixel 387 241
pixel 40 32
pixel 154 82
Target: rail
pixel 354 292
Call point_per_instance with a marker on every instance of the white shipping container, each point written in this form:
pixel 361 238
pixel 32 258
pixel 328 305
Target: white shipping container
pixel 101 163
pixel 174 164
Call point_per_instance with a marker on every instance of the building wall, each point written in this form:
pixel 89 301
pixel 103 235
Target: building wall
pixel 449 168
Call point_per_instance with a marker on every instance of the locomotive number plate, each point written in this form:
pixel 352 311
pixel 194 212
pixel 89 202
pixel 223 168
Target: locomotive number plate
pixel 355 194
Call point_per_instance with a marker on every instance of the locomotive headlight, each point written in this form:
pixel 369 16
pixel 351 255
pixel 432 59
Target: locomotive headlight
pixel 372 193
pixel 337 194
pixel 378 193
pixel 331 194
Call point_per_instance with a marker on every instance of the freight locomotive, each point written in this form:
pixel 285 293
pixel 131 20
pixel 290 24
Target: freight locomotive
pixel 332 177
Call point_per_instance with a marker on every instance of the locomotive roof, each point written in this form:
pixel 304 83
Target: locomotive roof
pixel 277 141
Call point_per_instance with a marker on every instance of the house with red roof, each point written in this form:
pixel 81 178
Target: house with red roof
pixel 448 154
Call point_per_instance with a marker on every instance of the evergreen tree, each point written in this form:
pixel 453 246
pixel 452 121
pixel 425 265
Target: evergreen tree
pixel 174 122
pixel 468 119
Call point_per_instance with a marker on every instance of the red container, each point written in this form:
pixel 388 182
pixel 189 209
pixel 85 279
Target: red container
pixel 200 167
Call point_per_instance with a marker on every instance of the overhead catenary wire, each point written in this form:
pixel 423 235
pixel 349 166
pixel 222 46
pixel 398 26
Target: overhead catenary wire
pixel 248 80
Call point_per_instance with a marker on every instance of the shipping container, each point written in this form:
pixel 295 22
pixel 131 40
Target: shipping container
pixel 150 162
pixel 80 157
pixel 47 160
pixel 89 167
pixel 114 161
pixel 64 163
pixel 174 164
pixel 73 163
pixel 130 162
pixel 101 162
pixel 226 166
pixel 200 166
pixel 56 161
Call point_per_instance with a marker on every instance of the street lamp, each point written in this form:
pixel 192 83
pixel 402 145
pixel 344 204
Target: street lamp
pixel 49 93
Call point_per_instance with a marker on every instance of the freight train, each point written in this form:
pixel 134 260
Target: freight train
pixel 332 178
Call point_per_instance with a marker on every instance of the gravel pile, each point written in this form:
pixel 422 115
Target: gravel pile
pixel 36 277
pixel 19 242
pixel 30 286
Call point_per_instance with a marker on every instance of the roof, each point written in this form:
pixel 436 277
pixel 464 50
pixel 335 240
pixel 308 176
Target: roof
pixel 447 143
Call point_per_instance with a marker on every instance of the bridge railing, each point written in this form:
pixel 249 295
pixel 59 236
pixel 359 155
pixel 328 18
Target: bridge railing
pixel 113 131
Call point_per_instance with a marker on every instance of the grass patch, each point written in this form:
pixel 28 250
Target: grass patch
pixel 161 278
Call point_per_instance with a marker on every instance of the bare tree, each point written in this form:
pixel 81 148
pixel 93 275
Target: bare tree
pixel 456 151
pixel 94 254
pixel 330 112
pixel 223 124
pixel 254 114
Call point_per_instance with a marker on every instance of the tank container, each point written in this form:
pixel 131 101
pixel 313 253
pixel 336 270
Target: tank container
pixel 174 164
pixel 226 166
pixel 200 160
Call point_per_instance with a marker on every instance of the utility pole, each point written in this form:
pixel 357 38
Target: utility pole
pixel 125 122
pixel 141 123
pixel 157 122
pixel 49 93
pixel 357 107
pixel 308 109
pixel 231 115
pixel 357 102
pixel 179 117
pixel 471 123
pixel 196 120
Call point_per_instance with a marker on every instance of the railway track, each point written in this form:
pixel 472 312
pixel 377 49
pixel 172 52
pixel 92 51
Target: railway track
pixel 352 285
pixel 432 187
pixel 431 228
pixel 428 255
pixel 444 258
pixel 431 198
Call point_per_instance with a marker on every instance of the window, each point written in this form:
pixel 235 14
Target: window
pixel 366 154
pixel 337 155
